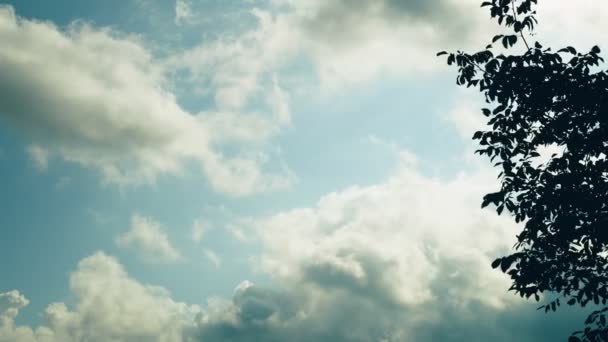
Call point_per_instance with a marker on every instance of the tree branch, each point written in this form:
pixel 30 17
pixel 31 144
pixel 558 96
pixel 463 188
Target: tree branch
pixel 521 32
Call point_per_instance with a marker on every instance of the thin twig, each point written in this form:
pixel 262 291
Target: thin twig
pixel 521 32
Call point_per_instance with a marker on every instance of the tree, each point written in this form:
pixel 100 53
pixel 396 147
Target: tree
pixel 536 99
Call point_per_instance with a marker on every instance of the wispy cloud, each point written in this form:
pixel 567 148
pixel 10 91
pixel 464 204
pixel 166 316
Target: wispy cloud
pixel 183 12
pixel 199 229
pixel 149 241
pixel 213 257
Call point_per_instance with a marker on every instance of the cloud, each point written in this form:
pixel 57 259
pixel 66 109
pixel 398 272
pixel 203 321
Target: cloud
pixel 183 12
pixel 328 304
pixel 109 306
pixel 147 239
pixel 442 17
pixel 355 41
pixel 99 99
pixel 10 304
pixel 350 42
pixel 213 257
pixel 563 23
pixel 399 239
pixel 199 229
pixel 407 259
pixel 39 156
pixel 235 68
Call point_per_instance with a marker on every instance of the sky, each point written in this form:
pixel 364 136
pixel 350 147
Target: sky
pixel 255 170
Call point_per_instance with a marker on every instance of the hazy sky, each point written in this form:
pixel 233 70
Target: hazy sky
pixel 254 170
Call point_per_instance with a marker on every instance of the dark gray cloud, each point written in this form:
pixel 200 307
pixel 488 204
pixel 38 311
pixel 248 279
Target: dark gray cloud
pixel 350 21
pixel 266 315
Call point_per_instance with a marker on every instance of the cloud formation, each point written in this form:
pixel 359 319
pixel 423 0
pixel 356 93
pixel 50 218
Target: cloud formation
pixel 99 99
pixel 403 260
pixel 183 12
pixel 110 306
pixel 149 242
pixel 354 41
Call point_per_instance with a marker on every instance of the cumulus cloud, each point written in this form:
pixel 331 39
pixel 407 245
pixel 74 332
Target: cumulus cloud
pixel 354 41
pixel 404 260
pixel 109 306
pixel 10 304
pixel 99 99
pixel 401 239
pixel 149 241
pixel 402 36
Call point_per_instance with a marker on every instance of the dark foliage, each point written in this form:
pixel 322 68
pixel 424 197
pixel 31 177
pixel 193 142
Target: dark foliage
pixel 539 98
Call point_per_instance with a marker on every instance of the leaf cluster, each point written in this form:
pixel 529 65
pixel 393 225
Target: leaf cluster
pixel 536 99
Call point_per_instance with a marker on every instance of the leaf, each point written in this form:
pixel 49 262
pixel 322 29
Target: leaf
pixel 499 109
pixel 451 59
pixel 574 339
pixel 497 37
pixel 568 49
pixel 441 53
pixel 499 209
pixel 517 26
pixel 541 98
pixel 505 264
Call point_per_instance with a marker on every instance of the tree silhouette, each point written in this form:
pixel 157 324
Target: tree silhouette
pixel 536 99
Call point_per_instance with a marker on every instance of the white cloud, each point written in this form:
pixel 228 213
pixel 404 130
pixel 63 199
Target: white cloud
pixel 99 99
pixel 355 41
pixel 566 23
pixel 39 156
pixel 213 257
pixel 401 238
pixel 109 306
pixel 183 12
pixel 408 259
pixel 199 230
pixel 234 68
pixel 10 304
pixel 148 240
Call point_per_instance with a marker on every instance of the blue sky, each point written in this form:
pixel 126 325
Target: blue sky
pixel 249 171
